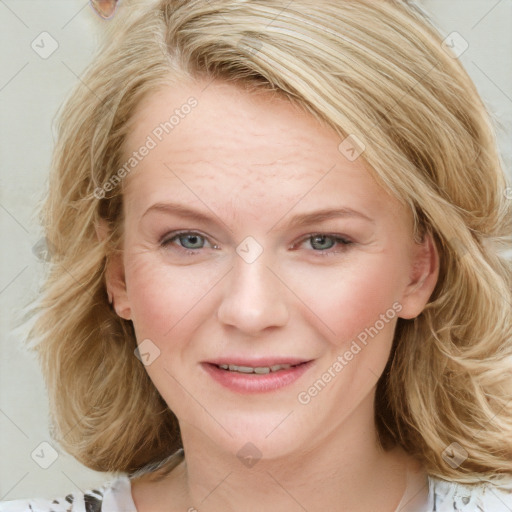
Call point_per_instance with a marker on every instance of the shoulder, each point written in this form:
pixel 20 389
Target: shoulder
pixel 486 496
pixel 113 496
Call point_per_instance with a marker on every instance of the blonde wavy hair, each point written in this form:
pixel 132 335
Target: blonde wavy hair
pixel 373 69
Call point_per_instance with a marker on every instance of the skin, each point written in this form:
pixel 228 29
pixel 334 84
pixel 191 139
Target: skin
pixel 252 162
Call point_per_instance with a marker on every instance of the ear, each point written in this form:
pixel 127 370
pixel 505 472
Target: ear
pixel 115 276
pixel 422 278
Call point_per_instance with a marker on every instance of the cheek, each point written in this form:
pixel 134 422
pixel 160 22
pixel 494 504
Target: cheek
pixel 163 298
pixel 345 301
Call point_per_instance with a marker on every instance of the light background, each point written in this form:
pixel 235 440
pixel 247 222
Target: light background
pixel 31 90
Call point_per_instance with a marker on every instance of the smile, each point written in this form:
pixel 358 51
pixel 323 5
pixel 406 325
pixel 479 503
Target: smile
pixel 246 379
pixel 259 370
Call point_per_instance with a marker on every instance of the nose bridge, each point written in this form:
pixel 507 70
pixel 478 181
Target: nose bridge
pixel 254 298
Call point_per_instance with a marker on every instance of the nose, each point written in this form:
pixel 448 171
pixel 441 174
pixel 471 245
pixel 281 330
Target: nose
pixel 253 298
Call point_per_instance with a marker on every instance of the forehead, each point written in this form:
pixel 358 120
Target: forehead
pixel 222 142
pixel 224 116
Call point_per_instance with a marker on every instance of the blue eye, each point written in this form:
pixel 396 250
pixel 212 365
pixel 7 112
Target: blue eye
pixel 319 239
pixel 184 238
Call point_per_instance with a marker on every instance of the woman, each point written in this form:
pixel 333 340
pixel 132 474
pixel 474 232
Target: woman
pixel 276 281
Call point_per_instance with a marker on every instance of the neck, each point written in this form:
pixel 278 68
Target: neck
pixel 344 470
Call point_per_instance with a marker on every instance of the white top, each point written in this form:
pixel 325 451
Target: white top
pixel 443 496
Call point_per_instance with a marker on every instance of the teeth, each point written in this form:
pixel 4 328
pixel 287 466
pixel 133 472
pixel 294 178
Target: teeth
pixel 243 369
pixel 250 369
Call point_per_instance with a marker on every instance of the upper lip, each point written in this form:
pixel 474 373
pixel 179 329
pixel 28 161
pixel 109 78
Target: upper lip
pixel 257 362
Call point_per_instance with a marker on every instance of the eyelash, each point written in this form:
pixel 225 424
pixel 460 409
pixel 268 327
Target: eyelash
pixel 345 243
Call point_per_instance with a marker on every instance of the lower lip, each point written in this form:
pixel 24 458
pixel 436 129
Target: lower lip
pixel 256 383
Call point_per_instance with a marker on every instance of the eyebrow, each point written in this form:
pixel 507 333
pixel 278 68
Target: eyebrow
pixel 299 220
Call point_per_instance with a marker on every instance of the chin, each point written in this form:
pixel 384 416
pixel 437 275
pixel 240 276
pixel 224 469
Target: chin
pixel 269 436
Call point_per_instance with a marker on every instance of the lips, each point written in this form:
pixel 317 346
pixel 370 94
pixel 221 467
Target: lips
pixel 256 375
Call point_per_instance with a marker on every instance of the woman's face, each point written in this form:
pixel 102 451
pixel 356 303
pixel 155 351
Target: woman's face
pixel 225 262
